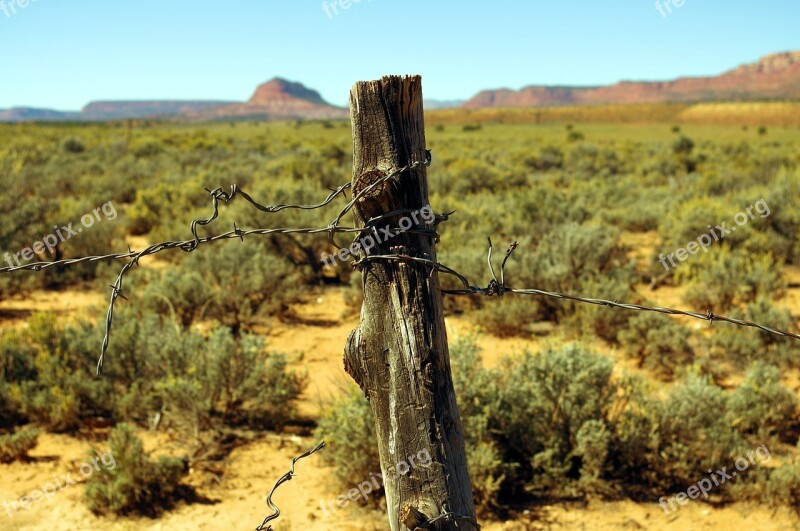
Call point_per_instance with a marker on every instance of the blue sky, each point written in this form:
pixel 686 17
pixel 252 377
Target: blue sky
pixel 61 54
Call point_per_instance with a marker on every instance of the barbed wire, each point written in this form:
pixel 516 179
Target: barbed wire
pixel 276 512
pixel 499 287
pixel 218 195
pixel 495 287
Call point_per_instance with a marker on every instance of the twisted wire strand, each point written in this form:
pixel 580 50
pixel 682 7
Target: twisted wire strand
pixel 276 512
pixel 496 286
pixel 379 182
pixel 188 246
pixel 499 287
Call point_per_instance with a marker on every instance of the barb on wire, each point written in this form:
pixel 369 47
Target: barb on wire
pixel 356 196
pixel 218 195
pixel 707 316
pixel 499 288
pixel 276 512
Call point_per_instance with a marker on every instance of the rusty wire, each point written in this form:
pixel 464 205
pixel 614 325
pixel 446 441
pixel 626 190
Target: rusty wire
pixel 495 287
pixel 499 287
pixel 276 512
pixel 218 195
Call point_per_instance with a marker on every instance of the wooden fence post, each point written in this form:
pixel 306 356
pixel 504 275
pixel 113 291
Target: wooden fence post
pixel 398 354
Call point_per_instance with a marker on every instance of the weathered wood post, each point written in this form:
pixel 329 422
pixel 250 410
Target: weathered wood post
pixel 398 354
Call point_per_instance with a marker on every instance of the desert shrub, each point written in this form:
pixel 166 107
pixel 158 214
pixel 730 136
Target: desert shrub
pixel 547 209
pixel 761 407
pixel 783 486
pixel 784 218
pixel 588 161
pixel 16 365
pixel 547 158
pixel 726 278
pixel 600 321
pixel 688 219
pixel 190 381
pixel 153 367
pixel 57 391
pixel 657 343
pixel 486 472
pixel 659 445
pixel 508 317
pixel 575 136
pixel 473 176
pixel 155 204
pixel 575 259
pixel 73 145
pixel 539 409
pixel 147 147
pixel 245 384
pixel 95 241
pixel 693 434
pixel 15 446
pixel 474 387
pixel 135 484
pixel 349 429
pixel 742 347
pixel 235 284
pixel 180 293
pixel 640 213
pixel 682 145
pixel 634 445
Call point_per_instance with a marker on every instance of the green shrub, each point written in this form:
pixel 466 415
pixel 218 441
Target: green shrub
pixel 548 158
pixel 601 321
pixel 575 136
pixel 57 392
pixel 783 486
pixel 73 145
pixel 349 429
pixel 135 484
pixel 473 386
pixel 15 446
pixel 581 259
pixel 588 161
pixel 200 383
pixel 743 347
pixel 657 343
pixel 724 278
pixel 509 316
pixel 694 434
pixel 540 406
pixel 683 145
pixel 237 284
pixel 761 407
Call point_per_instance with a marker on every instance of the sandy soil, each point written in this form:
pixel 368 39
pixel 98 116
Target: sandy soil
pixel 236 500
